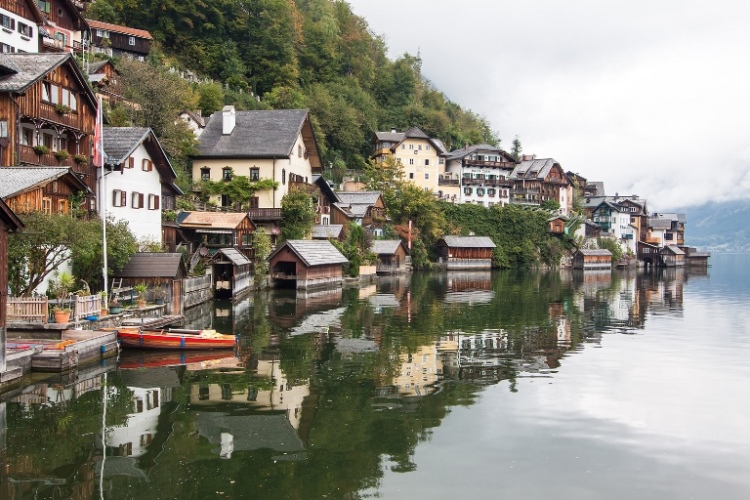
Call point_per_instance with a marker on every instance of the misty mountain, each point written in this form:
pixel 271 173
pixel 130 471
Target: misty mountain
pixel 718 226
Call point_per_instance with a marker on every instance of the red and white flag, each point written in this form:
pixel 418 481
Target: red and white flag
pixel 98 136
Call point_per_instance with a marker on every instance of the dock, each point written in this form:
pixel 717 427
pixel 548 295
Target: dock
pixel 73 348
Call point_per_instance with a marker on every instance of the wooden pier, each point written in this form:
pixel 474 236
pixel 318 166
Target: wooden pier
pixel 73 348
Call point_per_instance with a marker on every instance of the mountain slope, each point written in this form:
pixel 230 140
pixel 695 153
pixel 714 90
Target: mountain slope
pixel 719 226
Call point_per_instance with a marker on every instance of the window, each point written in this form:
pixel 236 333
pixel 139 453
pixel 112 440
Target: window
pixel 403 146
pixel 441 161
pixel 411 175
pixel 205 174
pixel 411 146
pixel 299 150
pixel 420 147
pixel 8 23
pixel 254 202
pixel 62 206
pixel 136 200
pixel 6 49
pixel 3 128
pixel 25 30
pixel 427 176
pixel 226 174
pixel 119 198
pixel 153 202
pixel 27 137
pixel 254 174
pixel 411 161
pixel 45 92
pixel 131 40
pixel 102 33
pixel 147 165
pixel 62 38
pixel 47 140
pixel 427 147
pixel 427 162
pixel 467 190
pixel 44 5
pixel 131 162
pixel 283 176
pixel 480 191
pixel 47 206
pixel 54 94
pixel 491 192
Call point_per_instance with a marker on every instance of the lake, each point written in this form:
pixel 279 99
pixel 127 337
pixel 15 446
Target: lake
pixel 530 385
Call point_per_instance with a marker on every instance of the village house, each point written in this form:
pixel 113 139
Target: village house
pixel 615 221
pixel 422 157
pixel 20 21
pixel 306 264
pixel 277 145
pixel 40 189
pixel 538 180
pixel 104 77
pixel 466 252
pixel 364 208
pixel 115 40
pixel 9 222
pixel 592 259
pixel 393 256
pixel 672 256
pixel 47 115
pixel 477 174
pixel 328 232
pixel 214 230
pixel 324 198
pixel 194 120
pixel 140 183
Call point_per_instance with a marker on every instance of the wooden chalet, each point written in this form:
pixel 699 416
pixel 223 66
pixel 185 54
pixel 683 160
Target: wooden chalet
pixel 557 224
pixel 215 230
pixel 116 40
pixel 365 208
pixel 672 256
pixel 592 259
pixel 40 189
pixel 466 252
pixel 56 110
pixel 538 180
pixel 306 264
pixel 105 79
pixel 155 269
pixel 232 273
pixel 8 222
pixel 64 26
pixel 393 256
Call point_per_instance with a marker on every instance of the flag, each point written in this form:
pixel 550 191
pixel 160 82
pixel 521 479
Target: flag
pixel 98 139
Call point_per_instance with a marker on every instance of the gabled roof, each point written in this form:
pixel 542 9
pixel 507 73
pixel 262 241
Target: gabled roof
pixel 412 133
pixel 198 119
pixel 22 70
pixel 368 198
pixel 236 257
pixel 468 241
pixel 256 134
pixel 534 169
pixel 327 231
pixel 17 180
pixel 594 252
pixel 458 154
pixel 313 252
pixel 9 217
pixel 153 265
pixel 673 249
pixel 120 142
pixel 324 187
pixel 93 67
pixel 659 224
pixel 119 29
pixel 213 220
pixel 386 247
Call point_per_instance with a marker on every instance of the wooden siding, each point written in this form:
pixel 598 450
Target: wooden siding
pixel 464 253
pixel 557 226
pixel 47 199
pixel 581 261
pixel 3 275
pixel 120 42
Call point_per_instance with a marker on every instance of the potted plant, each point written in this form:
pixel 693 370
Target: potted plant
pixel 62 109
pixel 115 307
pixel 61 288
pixel 81 159
pixel 62 155
pixel 160 293
pixel 104 310
pixel 141 289
pixel 41 149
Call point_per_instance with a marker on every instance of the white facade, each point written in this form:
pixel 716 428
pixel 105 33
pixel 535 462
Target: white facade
pixel 18 34
pixel 134 194
pixel 421 162
pixel 481 185
pixel 133 438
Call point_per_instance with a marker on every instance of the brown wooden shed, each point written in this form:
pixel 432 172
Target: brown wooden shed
pixel 466 252
pixel 672 256
pixel 588 259
pixel 393 257
pixel 557 224
pixel 306 264
pixel 155 269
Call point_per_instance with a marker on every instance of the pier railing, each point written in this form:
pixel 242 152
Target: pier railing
pixel 87 305
pixel 28 309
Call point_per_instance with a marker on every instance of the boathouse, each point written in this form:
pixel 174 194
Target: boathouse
pixel 694 258
pixel 466 252
pixel 557 224
pixel 306 264
pixel 589 259
pixel 162 273
pixel 232 273
pixel 672 256
pixel 393 257
pixel 215 230
pixel 8 222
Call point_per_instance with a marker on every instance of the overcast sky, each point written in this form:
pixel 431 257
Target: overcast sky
pixel 651 97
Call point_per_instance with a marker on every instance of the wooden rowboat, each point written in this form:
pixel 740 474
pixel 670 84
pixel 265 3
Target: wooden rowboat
pixel 174 339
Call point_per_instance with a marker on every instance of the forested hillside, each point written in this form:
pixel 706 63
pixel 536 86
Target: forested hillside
pixel 312 54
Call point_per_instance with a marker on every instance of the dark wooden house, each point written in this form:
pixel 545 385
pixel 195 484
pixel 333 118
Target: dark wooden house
pixel 466 252
pixel 393 257
pixel 590 259
pixel 40 189
pixel 232 273
pixel 672 256
pixel 116 40
pixel 54 111
pixel 328 232
pixel 694 258
pixel 215 230
pixel 307 264
pixel 365 208
pixel 8 222
pixel 157 270
pixel 105 79
pixel 557 224
pixel 64 27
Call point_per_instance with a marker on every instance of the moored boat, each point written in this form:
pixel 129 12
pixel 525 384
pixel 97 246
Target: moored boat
pixel 174 339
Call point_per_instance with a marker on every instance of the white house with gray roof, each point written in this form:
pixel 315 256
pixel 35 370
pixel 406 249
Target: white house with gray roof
pixel 140 181
pixel 261 144
pixel 477 174
pixel 422 156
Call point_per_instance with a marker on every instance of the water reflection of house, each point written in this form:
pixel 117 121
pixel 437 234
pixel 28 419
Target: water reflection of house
pixel 287 309
pixel 419 372
pixel 469 287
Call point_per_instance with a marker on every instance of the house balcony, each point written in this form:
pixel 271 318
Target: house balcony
pixel 28 156
pixel 493 164
pixel 448 181
pixel 49 113
pixel 264 214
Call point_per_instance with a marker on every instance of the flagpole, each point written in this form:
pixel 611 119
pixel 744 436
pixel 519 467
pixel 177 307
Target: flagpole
pixel 99 157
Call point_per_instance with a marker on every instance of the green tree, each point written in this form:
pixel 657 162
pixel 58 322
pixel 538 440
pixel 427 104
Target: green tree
pixel 297 215
pixel 551 205
pixel 239 189
pixel 211 98
pixel 262 248
pixel 516 151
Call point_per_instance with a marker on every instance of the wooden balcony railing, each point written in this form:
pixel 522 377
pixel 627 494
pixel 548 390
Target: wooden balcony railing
pixel 447 181
pixel 69 119
pixel 266 214
pixel 26 154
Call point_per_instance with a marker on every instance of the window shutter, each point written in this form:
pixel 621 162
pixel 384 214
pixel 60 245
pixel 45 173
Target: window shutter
pixel 131 162
pixel 140 200
pixel 156 202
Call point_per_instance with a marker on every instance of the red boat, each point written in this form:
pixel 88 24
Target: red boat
pixel 174 339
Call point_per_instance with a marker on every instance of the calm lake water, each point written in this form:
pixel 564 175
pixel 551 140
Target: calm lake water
pixel 474 385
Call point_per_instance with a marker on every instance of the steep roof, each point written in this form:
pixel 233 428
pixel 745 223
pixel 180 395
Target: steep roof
pixel 153 265
pixel 11 220
pixel 236 257
pixel 324 232
pixel 387 247
pixel 213 220
pixel 594 252
pixel 257 134
pixel 16 180
pixel 96 66
pixel 119 29
pixel 468 241
pixel 534 169
pixel 368 198
pixel 313 252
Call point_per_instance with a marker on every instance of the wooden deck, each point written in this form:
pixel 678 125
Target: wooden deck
pixel 73 348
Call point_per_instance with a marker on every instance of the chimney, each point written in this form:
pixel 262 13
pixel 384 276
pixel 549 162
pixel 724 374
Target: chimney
pixel 393 131
pixel 227 120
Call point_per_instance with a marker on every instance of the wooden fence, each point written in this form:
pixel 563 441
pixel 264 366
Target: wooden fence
pixel 87 305
pixel 197 290
pixel 28 309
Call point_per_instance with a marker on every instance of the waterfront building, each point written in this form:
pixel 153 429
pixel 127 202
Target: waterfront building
pixel 466 252
pixel 421 156
pixel 477 174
